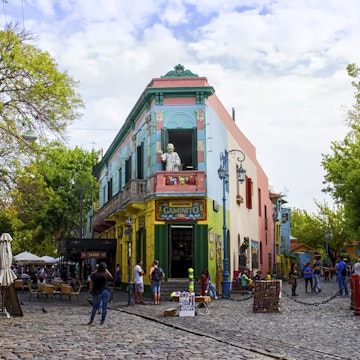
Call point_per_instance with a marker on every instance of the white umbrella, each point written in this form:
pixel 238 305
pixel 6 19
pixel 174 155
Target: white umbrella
pixel 49 259
pixel 7 276
pixel 27 258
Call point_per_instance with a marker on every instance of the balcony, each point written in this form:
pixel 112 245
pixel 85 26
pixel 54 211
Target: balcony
pixel 180 182
pixel 99 218
pixel 177 183
pixel 134 191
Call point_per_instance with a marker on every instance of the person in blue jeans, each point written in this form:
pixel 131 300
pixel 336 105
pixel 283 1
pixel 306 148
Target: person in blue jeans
pixel 342 279
pixel 317 273
pixel 100 291
pixel 308 276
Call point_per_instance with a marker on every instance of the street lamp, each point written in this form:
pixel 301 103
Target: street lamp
pixel 223 173
pixel 128 224
pixel 275 218
pixel 328 235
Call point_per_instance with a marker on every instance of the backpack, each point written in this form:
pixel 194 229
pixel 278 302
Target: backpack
pixel 158 273
pixel 344 271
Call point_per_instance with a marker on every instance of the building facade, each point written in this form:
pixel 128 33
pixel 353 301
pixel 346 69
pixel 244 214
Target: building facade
pixel 175 215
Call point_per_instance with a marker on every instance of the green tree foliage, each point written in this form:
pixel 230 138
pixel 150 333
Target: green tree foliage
pixel 313 229
pixel 50 191
pixel 307 229
pixel 342 167
pixel 33 95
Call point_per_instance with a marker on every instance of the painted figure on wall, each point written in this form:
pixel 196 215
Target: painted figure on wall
pixel 170 158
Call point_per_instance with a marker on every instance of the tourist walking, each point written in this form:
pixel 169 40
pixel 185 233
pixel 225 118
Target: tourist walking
pixel 100 291
pixel 342 276
pixel 317 273
pixel 156 275
pixel 308 276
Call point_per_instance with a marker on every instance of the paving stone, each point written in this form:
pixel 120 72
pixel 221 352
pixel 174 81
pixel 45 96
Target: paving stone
pixel 301 330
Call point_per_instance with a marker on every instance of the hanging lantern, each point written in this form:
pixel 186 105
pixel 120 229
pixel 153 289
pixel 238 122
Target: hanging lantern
pixel 29 136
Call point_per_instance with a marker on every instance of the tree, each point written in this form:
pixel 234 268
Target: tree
pixel 307 229
pixel 48 196
pixel 34 95
pixel 343 166
pixel 312 229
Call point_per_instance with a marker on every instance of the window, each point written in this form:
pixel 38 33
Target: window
pixel 127 170
pixel 109 188
pixel 259 201
pixel 120 179
pixel 249 185
pixel 140 161
pixel 185 141
pixel 104 200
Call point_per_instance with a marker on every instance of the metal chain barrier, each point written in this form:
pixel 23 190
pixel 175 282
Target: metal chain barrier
pixel 296 300
pixel 332 297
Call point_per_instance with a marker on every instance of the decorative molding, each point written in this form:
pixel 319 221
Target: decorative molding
pixel 159 115
pixel 200 115
pixel 159 98
pixel 179 71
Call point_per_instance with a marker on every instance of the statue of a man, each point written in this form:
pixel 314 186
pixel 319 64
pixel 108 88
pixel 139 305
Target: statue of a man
pixel 171 158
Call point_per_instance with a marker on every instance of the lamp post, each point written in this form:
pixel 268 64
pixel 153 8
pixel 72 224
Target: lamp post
pixel 223 173
pixel 128 224
pixel 328 235
pixel 275 218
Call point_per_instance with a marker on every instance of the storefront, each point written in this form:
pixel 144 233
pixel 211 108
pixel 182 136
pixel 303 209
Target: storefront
pixel 181 241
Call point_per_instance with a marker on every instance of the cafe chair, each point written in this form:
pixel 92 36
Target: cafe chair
pixel 19 285
pixel 66 290
pixel 49 291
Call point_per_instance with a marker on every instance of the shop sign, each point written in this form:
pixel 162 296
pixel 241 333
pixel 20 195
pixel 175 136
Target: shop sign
pixel 93 254
pixel 180 210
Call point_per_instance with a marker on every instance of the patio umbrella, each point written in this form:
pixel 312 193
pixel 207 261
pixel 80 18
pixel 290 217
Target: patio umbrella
pixel 7 276
pixel 49 259
pixel 10 300
pixel 28 258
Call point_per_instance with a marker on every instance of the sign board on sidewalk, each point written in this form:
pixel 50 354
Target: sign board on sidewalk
pixel 187 304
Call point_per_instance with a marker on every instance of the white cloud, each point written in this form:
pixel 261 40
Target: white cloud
pixel 281 65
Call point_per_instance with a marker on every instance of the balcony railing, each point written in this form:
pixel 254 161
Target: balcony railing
pixel 113 205
pixel 134 191
pixel 180 182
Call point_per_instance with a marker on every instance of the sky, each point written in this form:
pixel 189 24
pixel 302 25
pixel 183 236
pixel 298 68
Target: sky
pixel 281 65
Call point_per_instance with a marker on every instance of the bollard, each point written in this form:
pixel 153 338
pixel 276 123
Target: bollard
pixel 356 288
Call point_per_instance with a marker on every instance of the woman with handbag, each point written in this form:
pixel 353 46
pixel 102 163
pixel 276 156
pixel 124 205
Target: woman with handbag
pixel 294 275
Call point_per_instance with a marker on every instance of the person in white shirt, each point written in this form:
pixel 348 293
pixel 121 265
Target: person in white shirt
pixel 356 267
pixel 139 282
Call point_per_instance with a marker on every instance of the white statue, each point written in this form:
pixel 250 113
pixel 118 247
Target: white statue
pixel 171 158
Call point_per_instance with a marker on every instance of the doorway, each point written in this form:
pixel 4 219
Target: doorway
pixel 181 250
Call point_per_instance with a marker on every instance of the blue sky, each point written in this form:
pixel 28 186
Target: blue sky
pixel 280 64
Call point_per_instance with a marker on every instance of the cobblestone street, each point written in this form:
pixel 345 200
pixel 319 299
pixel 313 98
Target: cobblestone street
pixel 301 330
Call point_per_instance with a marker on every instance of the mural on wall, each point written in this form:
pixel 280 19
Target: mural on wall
pixel 180 180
